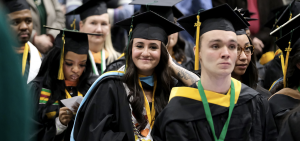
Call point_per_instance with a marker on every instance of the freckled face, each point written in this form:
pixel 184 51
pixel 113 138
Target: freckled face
pixel 146 54
pixel 74 65
pixel 218 52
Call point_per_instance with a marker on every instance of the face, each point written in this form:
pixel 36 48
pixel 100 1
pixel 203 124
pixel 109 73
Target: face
pixel 172 40
pixel 218 52
pixel 98 24
pixel 21 24
pixel 74 65
pixel 243 60
pixel 146 55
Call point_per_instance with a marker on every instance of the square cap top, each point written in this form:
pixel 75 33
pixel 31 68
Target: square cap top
pixel 149 25
pixel 274 15
pixel 165 8
pixel 90 8
pixel 218 18
pixel 16 5
pixel 75 41
pixel 293 37
pixel 293 8
pixel 286 27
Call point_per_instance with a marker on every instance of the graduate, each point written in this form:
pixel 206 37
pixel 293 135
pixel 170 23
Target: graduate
pixel 20 19
pixel 217 107
pixel 122 105
pixel 274 69
pixel 95 19
pixel 287 95
pixel 65 72
pixel 168 10
pixel 245 68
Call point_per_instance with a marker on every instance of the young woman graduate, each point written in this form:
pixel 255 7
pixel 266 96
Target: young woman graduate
pixel 217 107
pixel 122 106
pixel 95 19
pixel 287 96
pixel 245 69
pixel 65 72
pixel 176 46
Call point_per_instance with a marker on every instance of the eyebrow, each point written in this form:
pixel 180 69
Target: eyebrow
pixel 218 40
pixel 73 61
pixel 153 44
pixel 139 43
pixel 247 43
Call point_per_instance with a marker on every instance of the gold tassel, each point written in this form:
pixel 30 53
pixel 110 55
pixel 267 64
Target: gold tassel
pixel 286 63
pixel 24 59
pixel 291 15
pixel 73 24
pixel 198 24
pixel 61 62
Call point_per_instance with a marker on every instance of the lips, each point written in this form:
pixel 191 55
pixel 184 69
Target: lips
pixel 24 35
pixel 74 77
pixel 241 66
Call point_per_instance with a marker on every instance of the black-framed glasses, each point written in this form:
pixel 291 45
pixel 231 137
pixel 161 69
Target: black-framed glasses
pixel 248 50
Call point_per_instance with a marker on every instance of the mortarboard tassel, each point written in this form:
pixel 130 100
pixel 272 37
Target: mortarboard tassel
pixel 24 59
pixel 129 38
pixel 288 50
pixel 74 24
pixel 198 24
pixel 60 71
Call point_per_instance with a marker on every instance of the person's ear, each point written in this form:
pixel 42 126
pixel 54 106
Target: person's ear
pixel 298 66
pixel 80 25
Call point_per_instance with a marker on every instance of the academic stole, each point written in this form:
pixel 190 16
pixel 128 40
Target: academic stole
pixel 150 113
pixel 208 112
pixel 24 59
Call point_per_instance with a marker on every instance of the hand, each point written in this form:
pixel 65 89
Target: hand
pixel 258 44
pixel 75 107
pixel 43 43
pixel 64 116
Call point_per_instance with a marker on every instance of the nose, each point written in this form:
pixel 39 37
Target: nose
pixel 99 28
pixel 225 53
pixel 145 52
pixel 23 26
pixel 242 56
pixel 75 69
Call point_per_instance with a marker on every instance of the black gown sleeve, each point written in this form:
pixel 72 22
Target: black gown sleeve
pixel 290 128
pixel 105 115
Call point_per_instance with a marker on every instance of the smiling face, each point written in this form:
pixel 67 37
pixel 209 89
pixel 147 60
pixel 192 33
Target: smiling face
pixel 21 24
pixel 146 55
pixel 74 65
pixel 243 60
pixel 218 52
pixel 98 24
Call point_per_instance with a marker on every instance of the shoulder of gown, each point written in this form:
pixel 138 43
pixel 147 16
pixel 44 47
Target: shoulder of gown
pixel 290 128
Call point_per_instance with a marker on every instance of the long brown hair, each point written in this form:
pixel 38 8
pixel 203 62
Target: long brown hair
pixel 163 89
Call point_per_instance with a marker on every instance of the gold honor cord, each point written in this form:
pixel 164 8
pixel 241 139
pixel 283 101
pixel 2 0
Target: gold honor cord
pixel 198 24
pixel 150 113
pixel 60 71
pixel 24 59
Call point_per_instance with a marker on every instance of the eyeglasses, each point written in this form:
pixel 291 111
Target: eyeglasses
pixel 248 50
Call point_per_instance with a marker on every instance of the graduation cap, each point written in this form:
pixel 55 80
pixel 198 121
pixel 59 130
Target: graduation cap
pixel 218 18
pixel 286 27
pixel 89 8
pixel 70 40
pixel 165 8
pixel 274 15
pixel 247 15
pixel 241 16
pixel 150 26
pixel 291 11
pixel 16 5
pixel 289 43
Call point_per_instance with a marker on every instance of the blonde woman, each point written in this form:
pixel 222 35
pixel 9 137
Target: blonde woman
pixel 95 19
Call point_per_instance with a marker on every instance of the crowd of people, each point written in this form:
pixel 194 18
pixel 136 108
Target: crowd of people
pixel 150 70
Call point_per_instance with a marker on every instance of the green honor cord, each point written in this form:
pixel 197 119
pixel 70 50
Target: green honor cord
pixel 208 113
pixel 299 89
pixel 103 63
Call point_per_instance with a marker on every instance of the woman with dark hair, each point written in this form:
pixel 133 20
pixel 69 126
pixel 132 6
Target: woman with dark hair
pixel 176 48
pixel 245 69
pixel 286 93
pixel 123 105
pixel 65 72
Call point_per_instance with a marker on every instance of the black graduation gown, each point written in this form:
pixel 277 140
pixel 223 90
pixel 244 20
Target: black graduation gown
pixel 44 121
pixel 115 65
pixel 188 64
pixel 183 119
pixel 26 72
pixel 273 71
pixel 282 103
pixel 99 67
pixel 265 93
pixel 290 127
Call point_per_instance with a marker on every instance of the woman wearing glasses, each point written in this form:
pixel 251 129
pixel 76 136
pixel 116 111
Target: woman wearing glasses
pixel 245 69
